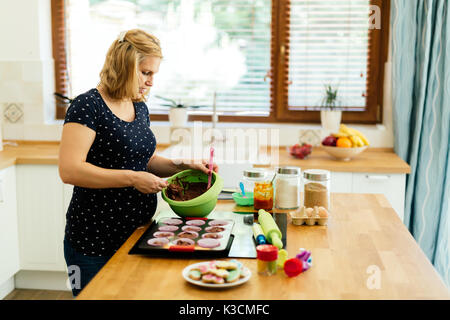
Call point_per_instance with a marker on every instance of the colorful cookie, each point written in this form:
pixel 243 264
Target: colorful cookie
pixel 210 278
pixel 233 275
pixel 218 272
pixel 226 265
pixel 195 222
pixel 195 274
pixel 158 242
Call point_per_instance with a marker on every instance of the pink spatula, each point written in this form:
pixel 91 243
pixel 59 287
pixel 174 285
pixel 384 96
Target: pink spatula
pixel 211 154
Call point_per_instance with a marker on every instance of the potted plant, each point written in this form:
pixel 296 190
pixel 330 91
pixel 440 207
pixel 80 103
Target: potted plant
pixel 178 115
pixel 330 113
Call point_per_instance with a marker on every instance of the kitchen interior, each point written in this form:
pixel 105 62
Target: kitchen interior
pixel 355 186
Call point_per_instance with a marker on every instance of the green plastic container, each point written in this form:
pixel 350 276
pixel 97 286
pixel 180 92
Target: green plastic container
pixel 241 201
pixel 202 205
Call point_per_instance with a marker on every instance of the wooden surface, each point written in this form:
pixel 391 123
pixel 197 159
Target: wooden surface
pixel 363 232
pixel 372 160
pixel 34 152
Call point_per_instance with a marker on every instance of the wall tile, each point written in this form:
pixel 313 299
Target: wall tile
pixel 31 71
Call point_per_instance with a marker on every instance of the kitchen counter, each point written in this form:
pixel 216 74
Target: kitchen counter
pixel 373 160
pixel 365 252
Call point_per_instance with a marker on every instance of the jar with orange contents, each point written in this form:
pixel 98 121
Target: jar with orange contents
pixel 263 195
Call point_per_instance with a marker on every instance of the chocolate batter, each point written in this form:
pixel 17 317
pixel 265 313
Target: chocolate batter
pixel 185 190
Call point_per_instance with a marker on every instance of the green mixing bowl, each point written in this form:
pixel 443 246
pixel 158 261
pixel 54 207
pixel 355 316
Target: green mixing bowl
pixel 203 204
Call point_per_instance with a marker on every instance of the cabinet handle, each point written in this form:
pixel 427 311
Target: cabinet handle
pixel 377 177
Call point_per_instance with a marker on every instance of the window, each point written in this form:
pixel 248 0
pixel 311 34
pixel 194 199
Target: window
pixel 264 61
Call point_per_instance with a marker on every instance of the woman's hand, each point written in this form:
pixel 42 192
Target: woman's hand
pixel 146 182
pixel 202 165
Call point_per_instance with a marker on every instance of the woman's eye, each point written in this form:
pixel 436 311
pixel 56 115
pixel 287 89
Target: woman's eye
pixel 146 73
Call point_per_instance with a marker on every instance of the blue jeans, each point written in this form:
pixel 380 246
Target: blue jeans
pixel 81 268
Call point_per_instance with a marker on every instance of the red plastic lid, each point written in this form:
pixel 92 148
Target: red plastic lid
pixel 293 267
pixel 267 252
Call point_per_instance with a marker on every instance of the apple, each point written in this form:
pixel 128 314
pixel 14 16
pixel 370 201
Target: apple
pixel 329 141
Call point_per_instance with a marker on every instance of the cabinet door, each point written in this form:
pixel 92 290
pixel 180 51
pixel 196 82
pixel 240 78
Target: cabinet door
pixel 41 217
pixel 391 185
pixel 341 182
pixel 9 234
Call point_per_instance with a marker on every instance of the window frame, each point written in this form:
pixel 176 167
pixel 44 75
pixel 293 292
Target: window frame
pixel 279 109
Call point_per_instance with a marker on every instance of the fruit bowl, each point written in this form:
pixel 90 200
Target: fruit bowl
pixel 343 154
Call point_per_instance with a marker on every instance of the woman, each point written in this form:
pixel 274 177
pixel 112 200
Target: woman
pixel 107 153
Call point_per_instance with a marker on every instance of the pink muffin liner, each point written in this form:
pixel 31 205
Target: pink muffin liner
pixel 195 222
pixel 158 242
pixel 168 228
pixel 191 228
pixel 163 234
pixel 218 223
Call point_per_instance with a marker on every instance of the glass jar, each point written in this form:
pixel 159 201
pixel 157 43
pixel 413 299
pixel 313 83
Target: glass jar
pixel 287 188
pixel 251 176
pixel 263 195
pixel 316 188
pixel 267 256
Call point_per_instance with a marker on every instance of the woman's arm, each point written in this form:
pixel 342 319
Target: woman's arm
pixel 164 167
pixel 76 141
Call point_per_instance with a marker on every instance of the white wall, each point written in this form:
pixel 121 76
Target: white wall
pixel 26 78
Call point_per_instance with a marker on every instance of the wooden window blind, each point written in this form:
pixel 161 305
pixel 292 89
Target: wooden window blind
pixel 329 42
pixel 292 49
pixel 60 56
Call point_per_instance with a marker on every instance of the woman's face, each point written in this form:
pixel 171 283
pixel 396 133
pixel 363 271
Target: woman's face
pixel 146 70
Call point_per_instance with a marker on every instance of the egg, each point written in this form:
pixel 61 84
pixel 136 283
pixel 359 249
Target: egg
pixel 323 213
pixel 309 212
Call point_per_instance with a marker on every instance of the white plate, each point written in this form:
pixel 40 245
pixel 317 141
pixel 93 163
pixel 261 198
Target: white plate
pixel 186 270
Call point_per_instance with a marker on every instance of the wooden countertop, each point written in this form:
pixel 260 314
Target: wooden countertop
pixel 373 160
pixel 364 232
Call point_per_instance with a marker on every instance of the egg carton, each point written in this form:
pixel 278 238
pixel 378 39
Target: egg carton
pixel 302 217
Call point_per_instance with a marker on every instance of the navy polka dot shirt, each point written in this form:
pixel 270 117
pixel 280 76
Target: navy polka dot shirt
pixel 99 221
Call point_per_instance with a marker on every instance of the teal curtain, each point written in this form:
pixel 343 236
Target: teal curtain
pixel 421 111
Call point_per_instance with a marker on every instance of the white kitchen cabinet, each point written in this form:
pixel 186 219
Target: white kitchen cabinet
pixel 9 235
pixel 41 212
pixel 341 182
pixel 391 185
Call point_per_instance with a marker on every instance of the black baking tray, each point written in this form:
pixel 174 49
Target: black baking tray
pixel 142 248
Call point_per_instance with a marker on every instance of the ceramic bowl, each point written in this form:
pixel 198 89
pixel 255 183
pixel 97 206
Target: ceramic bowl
pixel 343 154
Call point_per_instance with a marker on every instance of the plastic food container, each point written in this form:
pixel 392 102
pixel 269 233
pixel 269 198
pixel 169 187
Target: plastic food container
pixel 267 256
pixel 287 188
pixel 251 176
pixel 263 196
pixel 316 184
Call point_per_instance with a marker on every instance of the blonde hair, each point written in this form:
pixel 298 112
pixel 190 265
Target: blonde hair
pixel 119 75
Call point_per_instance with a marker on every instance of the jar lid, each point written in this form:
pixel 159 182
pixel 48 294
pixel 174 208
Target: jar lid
pixel 288 170
pixel 254 173
pixel 266 252
pixel 316 175
pixel 293 267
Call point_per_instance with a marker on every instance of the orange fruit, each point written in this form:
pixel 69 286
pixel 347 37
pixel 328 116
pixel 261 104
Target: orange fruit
pixel 344 143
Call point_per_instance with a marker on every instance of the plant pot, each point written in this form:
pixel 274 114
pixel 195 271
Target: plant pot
pixel 178 117
pixel 331 120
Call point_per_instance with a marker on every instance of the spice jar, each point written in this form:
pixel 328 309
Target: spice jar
pixel 251 176
pixel 263 196
pixel 316 188
pixel 287 188
pixel 267 256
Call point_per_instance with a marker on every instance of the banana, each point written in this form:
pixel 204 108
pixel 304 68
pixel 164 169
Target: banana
pixel 356 141
pixel 353 132
pixel 340 135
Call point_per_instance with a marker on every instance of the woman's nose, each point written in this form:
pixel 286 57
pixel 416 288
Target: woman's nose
pixel 149 82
